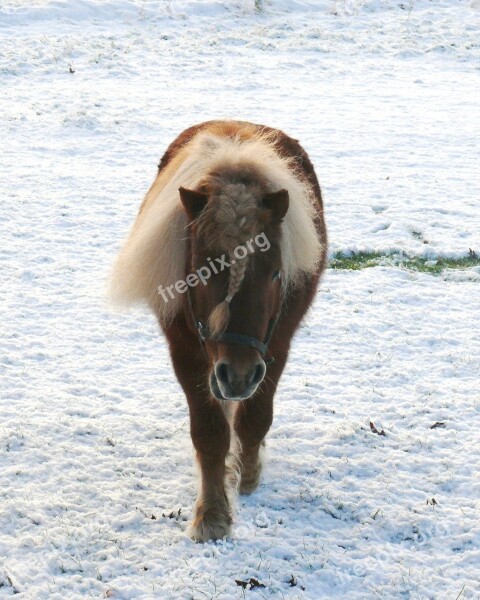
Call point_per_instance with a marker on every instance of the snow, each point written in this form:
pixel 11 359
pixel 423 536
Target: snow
pixel 97 466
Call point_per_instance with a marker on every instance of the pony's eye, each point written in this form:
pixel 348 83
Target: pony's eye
pixel 276 275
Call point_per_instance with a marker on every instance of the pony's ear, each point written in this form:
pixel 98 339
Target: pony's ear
pixel 277 204
pixel 193 202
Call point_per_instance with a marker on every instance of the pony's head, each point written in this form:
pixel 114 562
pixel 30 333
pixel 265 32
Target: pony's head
pixel 234 263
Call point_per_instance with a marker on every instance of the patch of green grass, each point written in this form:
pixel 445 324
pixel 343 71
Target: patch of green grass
pixel 354 261
pixel 364 260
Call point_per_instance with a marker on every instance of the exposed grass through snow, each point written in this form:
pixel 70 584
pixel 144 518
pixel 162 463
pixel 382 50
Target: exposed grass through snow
pixel 363 260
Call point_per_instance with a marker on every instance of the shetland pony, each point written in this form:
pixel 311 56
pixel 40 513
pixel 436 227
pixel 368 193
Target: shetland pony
pixel 227 250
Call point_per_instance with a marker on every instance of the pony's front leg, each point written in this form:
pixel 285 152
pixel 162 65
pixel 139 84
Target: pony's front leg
pixel 210 433
pixel 211 438
pixel 252 421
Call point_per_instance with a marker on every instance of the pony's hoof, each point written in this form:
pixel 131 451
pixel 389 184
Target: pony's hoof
pixel 248 487
pixel 210 526
pixel 250 480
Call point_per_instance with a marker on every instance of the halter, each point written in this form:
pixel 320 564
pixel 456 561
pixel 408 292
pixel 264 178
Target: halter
pixel 236 339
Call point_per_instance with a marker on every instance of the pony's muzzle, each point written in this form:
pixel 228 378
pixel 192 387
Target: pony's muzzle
pixel 235 382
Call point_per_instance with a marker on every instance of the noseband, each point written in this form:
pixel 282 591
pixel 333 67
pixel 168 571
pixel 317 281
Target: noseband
pixel 236 339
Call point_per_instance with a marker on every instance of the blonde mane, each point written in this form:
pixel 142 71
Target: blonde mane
pixel 154 253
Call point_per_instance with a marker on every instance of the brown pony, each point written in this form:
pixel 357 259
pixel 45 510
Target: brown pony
pixel 227 250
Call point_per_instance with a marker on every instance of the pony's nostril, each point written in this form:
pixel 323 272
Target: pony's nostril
pixel 221 371
pixel 258 373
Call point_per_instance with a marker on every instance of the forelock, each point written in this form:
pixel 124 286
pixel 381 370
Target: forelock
pixel 232 217
pixel 232 214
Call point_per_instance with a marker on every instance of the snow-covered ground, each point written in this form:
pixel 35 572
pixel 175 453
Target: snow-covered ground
pixel 96 465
